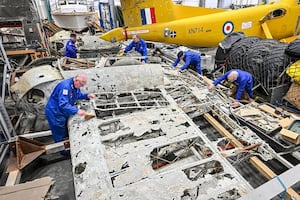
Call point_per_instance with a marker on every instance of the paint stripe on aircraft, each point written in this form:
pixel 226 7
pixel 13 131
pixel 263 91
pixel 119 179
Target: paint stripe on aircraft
pixel 136 32
pixel 153 17
pixel 143 16
pixel 148 16
pixel 228 27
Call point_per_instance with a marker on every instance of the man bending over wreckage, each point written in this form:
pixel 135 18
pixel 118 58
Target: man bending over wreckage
pixel 60 106
pixel 243 81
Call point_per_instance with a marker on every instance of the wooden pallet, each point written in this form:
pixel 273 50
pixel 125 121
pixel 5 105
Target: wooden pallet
pixel 52 27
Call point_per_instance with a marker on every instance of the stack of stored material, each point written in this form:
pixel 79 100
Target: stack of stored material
pixel 264 59
pixel 292 95
pixel 290 130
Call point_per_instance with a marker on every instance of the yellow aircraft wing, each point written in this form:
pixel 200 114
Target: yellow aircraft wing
pixel 192 26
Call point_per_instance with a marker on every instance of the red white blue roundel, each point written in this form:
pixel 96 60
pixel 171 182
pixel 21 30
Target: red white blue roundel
pixel 228 27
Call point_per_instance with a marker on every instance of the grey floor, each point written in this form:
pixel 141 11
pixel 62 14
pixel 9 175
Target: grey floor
pixel 59 168
pixel 56 166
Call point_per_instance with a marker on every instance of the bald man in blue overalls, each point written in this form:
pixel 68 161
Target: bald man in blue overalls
pixel 243 81
pixel 60 106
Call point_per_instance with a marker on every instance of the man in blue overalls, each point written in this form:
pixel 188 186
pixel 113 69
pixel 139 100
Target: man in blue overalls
pixel 243 81
pixel 190 59
pixel 139 45
pixel 71 49
pixel 60 106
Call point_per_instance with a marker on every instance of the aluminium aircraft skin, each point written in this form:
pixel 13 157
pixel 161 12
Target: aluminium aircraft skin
pixel 166 22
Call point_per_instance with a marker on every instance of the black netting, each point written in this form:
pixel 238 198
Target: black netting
pixel 265 59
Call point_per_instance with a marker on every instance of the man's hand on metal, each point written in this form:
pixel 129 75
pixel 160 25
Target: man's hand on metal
pixel 179 70
pixel 120 53
pixel 229 93
pixel 91 96
pixel 211 87
pixel 236 104
pixel 81 112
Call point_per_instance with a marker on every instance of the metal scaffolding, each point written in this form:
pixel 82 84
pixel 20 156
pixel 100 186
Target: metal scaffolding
pixel 7 128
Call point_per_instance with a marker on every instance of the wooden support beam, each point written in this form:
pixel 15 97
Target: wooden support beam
pixel 268 173
pixel 255 161
pixel 268 109
pixel 38 26
pixel 33 53
pixel 222 130
pixel 274 186
pixel 13 178
pixel 20 52
pixel 207 80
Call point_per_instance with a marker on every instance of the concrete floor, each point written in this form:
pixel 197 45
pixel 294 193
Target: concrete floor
pixel 56 166
pixel 59 168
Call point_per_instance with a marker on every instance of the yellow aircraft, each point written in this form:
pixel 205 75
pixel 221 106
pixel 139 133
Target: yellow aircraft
pixel 164 21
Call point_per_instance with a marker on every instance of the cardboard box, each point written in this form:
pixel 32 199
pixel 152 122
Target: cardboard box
pixel 286 122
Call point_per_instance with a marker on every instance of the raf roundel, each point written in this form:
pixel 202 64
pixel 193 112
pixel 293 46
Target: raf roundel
pixel 228 27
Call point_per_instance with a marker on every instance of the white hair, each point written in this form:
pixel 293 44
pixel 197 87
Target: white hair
pixel 233 75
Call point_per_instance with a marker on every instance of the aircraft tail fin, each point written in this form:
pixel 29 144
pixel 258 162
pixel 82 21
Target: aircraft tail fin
pixel 138 13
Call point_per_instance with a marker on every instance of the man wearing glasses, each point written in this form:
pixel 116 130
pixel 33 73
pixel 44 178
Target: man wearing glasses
pixel 60 106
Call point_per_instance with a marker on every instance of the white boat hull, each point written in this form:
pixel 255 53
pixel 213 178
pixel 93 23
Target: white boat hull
pixel 75 21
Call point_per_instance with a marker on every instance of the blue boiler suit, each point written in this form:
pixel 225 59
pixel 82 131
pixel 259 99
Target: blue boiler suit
pixel 71 49
pixel 243 82
pixel 190 58
pixel 140 47
pixel 60 107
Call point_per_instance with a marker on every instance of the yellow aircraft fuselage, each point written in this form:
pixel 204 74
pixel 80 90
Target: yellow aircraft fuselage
pixel 275 20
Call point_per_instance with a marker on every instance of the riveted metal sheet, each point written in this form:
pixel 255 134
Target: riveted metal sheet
pixel 35 77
